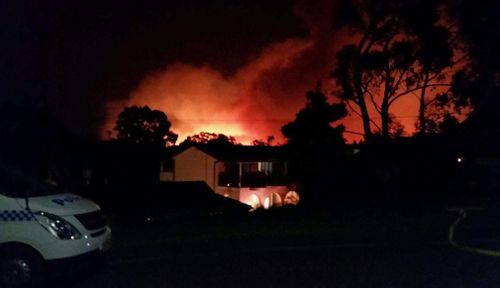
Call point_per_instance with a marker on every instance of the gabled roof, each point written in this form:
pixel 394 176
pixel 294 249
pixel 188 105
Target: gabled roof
pixel 241 153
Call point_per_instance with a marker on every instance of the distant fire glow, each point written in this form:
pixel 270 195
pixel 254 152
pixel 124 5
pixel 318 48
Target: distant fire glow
pixel 201 99
pixel 261 96
pixel 252 103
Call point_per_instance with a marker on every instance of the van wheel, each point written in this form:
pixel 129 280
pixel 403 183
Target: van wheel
pixel 21 267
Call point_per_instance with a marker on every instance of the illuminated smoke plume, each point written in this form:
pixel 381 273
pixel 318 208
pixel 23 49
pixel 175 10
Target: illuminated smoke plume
pixel 255 101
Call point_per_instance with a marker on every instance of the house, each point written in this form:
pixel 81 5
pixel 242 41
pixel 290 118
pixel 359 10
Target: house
pixel 254 175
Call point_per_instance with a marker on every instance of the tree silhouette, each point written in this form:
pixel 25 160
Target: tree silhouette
pixel 478 83
pixel 401 49
pixel 312 124
pixel 314 144
pixel 141 125
pixel 260 142
pixel 209 138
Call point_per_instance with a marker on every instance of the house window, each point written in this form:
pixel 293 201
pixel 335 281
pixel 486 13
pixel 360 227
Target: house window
pixel 229 175
pixel 278 174
pixel 251 176
pixel 250 167
pixel 266 167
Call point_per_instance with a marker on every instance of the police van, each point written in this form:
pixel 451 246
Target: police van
pixel 40 226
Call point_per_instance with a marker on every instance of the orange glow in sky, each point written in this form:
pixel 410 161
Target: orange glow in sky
pixel 246 105
pixel 260 97
pixel 252 103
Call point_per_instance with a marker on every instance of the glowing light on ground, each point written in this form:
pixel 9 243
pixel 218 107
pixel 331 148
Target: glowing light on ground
pixel 292 198
pixel 267 203
pixel 276 200
pixel 254 201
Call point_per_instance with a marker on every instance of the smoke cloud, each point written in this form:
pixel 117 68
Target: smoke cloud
pixel 256 100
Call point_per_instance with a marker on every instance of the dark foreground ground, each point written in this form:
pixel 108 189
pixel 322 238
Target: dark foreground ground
pixel 270 252
pixel 354 266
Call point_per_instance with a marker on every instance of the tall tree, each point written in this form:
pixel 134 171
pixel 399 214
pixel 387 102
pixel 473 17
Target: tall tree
pixel 401 48
pixel 314 144
pixel 312 124
pixel 478 83
pixel 142 125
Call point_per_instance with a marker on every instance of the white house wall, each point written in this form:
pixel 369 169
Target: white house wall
pixel 194 165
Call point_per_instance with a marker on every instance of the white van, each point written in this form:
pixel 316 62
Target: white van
pixel 40 226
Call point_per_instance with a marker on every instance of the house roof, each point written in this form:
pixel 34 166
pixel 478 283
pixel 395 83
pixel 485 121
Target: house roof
pixel 196 195
pixel 242 153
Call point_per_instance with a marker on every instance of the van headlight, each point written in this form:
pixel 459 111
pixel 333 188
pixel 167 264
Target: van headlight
pixel 57 226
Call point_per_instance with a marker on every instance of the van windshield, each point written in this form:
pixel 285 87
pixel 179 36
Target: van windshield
pixel 16 186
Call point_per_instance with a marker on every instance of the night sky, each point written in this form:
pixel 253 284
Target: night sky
pixel 240 68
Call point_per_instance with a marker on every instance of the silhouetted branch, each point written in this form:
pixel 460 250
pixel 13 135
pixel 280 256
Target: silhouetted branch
pixel 415 89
